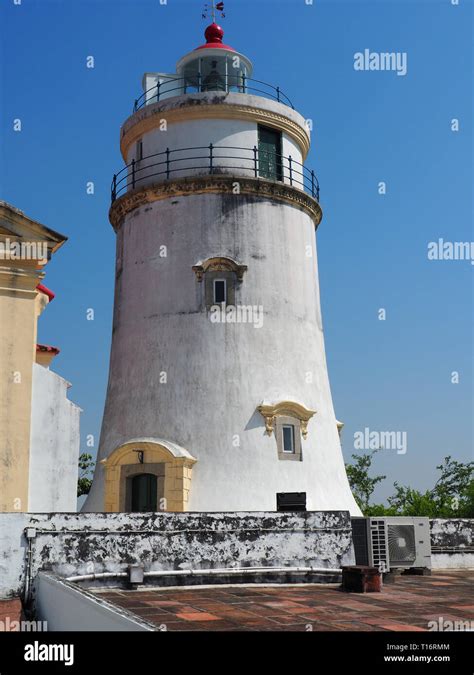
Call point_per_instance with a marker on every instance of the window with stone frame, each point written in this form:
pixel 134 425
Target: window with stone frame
pixel 288 438
pixel 220 277
pixel 288 421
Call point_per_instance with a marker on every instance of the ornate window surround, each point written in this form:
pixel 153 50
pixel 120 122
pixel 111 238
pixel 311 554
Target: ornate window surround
pixel 219 267
pixel 219 264
pixel 289 409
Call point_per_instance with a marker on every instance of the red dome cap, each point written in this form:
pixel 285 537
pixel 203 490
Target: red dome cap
pixel 214 35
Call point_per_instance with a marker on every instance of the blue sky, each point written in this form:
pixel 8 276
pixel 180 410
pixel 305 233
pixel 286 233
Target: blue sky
pixel 368 127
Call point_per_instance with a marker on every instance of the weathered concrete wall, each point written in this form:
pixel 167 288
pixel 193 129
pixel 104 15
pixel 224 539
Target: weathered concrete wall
pixel 452 543
pixel 55 443
pixel 68 608
pixel 74 544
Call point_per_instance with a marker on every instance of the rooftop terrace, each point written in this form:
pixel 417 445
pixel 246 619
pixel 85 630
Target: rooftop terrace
pixel 409 604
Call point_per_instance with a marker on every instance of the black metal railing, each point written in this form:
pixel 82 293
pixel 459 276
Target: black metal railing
pixel 214 159
pixel 240 84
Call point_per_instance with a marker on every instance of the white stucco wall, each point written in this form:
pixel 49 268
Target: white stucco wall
pixel 67 607
pixel 232 100
pixel 225 135
pixel 452 561
pixel 218 374
pixel 55 442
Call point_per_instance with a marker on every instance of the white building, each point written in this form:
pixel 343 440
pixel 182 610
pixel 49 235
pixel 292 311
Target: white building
pixel 218 396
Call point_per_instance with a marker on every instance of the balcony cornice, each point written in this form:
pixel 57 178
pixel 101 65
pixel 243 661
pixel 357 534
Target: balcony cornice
pixel 213 184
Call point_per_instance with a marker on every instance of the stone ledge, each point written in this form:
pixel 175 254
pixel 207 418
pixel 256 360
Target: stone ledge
pixel 213 184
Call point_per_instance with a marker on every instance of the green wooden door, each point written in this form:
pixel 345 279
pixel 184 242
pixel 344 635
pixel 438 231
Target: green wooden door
pixel 269 153
pixel 144 493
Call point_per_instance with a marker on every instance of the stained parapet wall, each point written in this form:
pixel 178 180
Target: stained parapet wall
pixel 452 543
pixel 95 543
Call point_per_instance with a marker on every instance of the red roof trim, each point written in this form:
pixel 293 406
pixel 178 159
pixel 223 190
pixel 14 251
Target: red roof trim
pixel 215 45
pixel 47 348
pixel 46 291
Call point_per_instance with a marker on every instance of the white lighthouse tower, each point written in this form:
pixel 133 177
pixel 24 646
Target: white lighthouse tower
pixel 218 396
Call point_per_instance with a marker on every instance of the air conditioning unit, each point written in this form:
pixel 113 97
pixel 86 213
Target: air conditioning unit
pixel 390 542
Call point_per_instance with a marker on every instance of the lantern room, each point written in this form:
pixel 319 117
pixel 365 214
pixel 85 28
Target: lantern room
pixel 214 66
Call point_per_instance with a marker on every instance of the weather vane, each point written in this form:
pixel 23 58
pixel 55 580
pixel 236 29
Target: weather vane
pixel 211 8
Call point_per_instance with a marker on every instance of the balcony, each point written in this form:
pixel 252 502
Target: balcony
pixel 214 160
pixel 169 87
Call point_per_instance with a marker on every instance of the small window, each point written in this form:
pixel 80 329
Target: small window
pixel 221 278
pixel 220 291
pixel 139 154
pixel 288 438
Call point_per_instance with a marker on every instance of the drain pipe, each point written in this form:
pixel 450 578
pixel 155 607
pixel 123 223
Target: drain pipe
pixel 30 534
pixel 206 572
pixel 99 575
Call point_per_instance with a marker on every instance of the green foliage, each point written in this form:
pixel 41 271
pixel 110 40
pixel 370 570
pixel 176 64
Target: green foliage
pixel 454 489
pixel 466 503
pixel 86 465
pixel 361 483
pixel 379 510
pixel 409 502
pixel 451 497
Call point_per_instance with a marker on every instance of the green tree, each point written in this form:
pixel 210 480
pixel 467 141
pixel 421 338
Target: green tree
pixel 453 491
pixel 466 505
pixel 409 502
pixel 451 497
pixel 86 465
pixel 362 485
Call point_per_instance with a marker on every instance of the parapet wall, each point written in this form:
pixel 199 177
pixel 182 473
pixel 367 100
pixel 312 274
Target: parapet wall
pixel 452 543
pixel 71 544
pixel 94 543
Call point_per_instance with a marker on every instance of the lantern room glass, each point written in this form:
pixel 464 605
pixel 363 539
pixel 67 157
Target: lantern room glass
pixel 215 73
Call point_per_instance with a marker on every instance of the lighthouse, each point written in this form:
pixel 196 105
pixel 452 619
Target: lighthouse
pixel 218 396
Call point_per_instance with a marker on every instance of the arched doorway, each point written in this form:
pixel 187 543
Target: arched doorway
pixel 144 494
pixel 169 464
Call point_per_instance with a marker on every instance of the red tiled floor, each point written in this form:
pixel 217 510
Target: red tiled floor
pixel 406 605
pixel 440 583
pixel 197 616
pixel 172 626
pixel 160 603
pixel 284 620
pixel 10 614
pixel 401 627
